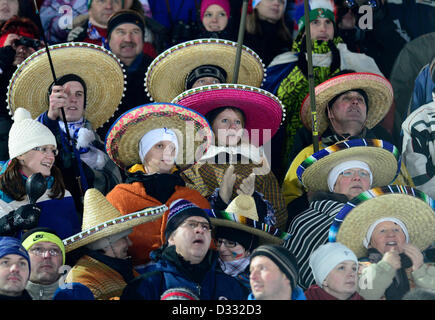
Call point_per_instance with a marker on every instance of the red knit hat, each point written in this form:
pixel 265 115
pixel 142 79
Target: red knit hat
pixel 225 4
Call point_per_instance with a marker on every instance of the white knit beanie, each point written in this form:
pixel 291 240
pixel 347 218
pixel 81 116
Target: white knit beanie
pixel 256 2
pixel 155 136
pixel 327 257
pixel 26 134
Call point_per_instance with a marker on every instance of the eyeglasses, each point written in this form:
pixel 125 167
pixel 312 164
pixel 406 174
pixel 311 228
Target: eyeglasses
pixel 46 150
pixel 227 243
pixel 350 173
pixel 41 252
pixel 205 226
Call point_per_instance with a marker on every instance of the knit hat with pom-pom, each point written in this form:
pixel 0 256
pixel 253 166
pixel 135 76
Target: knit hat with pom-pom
pixel 26 134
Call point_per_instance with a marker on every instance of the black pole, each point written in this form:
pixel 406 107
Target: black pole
pixel 240 41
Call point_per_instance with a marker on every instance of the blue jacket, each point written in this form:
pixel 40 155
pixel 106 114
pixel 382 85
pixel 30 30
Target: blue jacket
pixel 181 10
pixel 57 214
pixel 216 285
pixel 297 294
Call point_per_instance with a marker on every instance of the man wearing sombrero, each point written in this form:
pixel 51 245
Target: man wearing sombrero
pixel 82 158
pixel 348 107
pixel 389 228
pixel 335 175
pixel 104 267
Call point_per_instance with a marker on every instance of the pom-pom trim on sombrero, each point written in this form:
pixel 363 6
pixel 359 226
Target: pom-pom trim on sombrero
pixel 106 84
pixel 383 158
pixel 252 71
pixel 402 202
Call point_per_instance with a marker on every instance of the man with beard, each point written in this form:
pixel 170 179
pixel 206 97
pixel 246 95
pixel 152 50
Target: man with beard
pixel 14 270
pixel 18 40
pixel 125 38
pixel 185 261
pixel 47 255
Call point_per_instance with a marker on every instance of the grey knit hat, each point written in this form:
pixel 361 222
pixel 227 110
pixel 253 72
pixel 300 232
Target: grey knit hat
pixel 284 260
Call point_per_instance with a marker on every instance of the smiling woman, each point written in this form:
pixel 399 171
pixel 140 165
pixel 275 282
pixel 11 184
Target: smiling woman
pixel 32 148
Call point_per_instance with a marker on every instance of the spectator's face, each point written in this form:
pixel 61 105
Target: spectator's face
pixel 101 10
pixel 160 158
pixel 126 42
pixel 386 236
pixel 270 10
pixel 228 127
pixel 14 273
pixel 215 18
pixel 75 108
pixel 8 8
pixel 267 281
pixel 44 265
pixel 118 249
pixel 230 250
pixel 351 182
pixel 342 282
pixel 38 161
pixel 205 81
pixel 192 239
pixel 349 108
pixel 322 29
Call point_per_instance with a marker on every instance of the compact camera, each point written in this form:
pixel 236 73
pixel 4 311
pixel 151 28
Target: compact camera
pixel 28 42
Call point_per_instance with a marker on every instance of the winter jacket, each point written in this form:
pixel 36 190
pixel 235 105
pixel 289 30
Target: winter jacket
pixel 206 279
pixel 424 87
pixel 42 291
pixel 134 196
pixel 418 152
pixel 314 292
pixel 57 214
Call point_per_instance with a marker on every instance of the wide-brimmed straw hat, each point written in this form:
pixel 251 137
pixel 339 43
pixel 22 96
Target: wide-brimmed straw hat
pixel 192 129
pixel 101 219
pixel 378 89
pixel 382 157
pixel 411 206
pixel 166 75
pixel 100 69
pixel 263 110
pixel 241 214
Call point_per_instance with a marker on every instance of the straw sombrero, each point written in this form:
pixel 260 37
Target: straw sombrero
pixel 263 110
pixel 98 67
pixel 166 75
pixel 382 157
pixel 379 92
pixel 411 206
pixel 101 219
pixel 241 214
pixel 192 129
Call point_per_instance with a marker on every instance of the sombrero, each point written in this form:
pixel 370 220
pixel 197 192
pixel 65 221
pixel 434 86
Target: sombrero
pixel 382 157
pixel 241 214
pixel 98 67
pixel 101 219
pixel 377 88
pixel 411 206
pixel 263 110
pixel 166 75
pixel 192 129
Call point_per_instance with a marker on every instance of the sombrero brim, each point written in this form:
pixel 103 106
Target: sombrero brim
pixel 382 157
pixel 263 111
pixel 113 226
pixel 378 89
pixel 265 232
pixel 413 207
pixel 192 129
pixel 166 75
pixel 98 67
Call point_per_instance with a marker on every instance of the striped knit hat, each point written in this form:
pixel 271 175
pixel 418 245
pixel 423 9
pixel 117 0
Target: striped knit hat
pixel 284 260
pixel 179 211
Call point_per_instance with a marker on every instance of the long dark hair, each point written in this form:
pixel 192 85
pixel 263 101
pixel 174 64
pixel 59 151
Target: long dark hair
pixel 11 182
pixel 253 26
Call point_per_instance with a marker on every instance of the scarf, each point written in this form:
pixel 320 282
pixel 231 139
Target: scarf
pixel 400 284
pixel 314 292
pixel 235 267
pixel 123 266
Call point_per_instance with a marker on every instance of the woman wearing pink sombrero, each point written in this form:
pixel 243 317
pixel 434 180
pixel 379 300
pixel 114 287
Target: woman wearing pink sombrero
pixel 243 119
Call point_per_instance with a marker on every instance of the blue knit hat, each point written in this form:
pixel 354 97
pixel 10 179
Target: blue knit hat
pixel 9 245
pixel 179 211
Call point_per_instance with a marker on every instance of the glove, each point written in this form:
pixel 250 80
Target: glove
pixel 335 63
pixel 302 60
pixel 26 217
